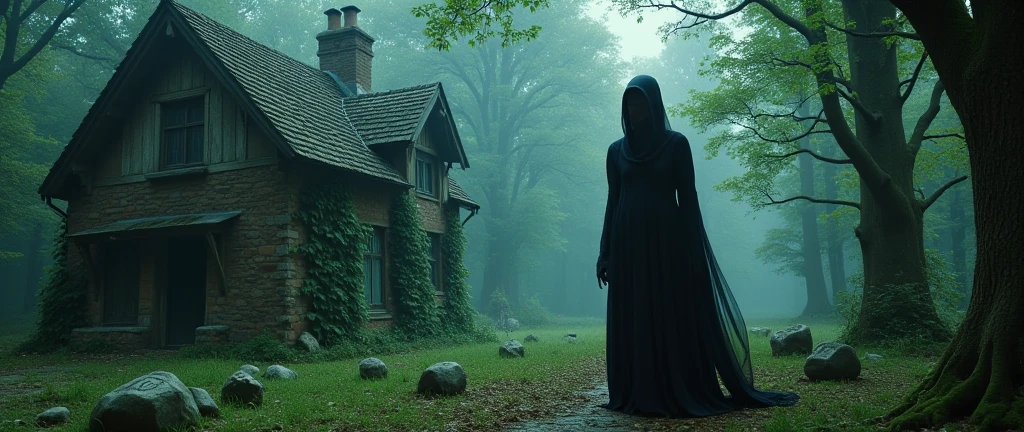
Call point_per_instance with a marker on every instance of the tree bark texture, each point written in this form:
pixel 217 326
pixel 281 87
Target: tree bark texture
pixel 978 57
pixel 897 302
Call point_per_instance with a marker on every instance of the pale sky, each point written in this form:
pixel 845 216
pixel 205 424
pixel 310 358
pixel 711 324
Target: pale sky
pixel 637 39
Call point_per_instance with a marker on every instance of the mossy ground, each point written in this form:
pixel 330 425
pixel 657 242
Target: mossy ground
pixel 549 381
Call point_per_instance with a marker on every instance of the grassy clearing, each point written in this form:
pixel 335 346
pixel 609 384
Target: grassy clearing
pixel 330 395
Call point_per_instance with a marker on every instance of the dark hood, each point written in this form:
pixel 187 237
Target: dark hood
pixel 658 129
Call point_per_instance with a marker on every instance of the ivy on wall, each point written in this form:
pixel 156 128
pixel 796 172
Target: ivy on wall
pixel 415 307
pixel 457 312
pixel 334 259
pixel 63 300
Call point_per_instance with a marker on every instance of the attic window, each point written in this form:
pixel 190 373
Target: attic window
pixel 426 175
pixel 183 124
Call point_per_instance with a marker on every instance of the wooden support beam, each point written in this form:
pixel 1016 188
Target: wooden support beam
pixel 90 267
pixel 220 265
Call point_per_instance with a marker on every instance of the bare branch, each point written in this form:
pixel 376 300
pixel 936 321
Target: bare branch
pixel 697 15
pixel 913 78
pixel 938 192
pixel 810 131
pixel 907 35
pixel 772 201
pixel 812 153
pixel 949 135
pixel 926 118
pixel 857 105
pixel 79 53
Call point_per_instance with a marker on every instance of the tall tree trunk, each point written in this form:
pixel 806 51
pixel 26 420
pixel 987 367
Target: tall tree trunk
pixel 897 302
pixel 33 269
pixel 836 257
pixel 957 235
pixel 982 371
pixel 814 277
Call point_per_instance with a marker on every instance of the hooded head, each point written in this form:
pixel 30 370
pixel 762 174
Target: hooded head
pixel 645 126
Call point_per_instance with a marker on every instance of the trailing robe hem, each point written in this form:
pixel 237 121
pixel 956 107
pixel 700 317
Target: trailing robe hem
pixel 674 327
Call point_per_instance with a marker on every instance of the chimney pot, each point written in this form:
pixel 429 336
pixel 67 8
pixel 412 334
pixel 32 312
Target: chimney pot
pixel 333 19
pixel 351 15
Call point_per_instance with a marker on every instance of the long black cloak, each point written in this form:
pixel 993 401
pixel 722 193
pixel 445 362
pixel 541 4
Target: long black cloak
pixel 672 319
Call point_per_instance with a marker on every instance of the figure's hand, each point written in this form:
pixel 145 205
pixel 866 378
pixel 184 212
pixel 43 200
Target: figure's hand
pixel 602 277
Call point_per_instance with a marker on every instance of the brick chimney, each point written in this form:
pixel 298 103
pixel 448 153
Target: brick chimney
pixel 347 50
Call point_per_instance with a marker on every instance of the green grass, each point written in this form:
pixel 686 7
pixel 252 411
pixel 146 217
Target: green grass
pixel 330 395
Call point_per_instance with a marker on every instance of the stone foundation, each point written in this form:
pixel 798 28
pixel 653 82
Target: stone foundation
pixel 118 338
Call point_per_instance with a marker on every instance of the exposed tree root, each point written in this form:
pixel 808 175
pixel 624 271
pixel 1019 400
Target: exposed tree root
pixel 988 396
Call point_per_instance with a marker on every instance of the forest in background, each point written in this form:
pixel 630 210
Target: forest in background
pixel 536 119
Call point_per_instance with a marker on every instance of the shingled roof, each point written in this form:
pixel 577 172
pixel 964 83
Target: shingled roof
pixel 304 104
pixel 390 116
pixel 456 193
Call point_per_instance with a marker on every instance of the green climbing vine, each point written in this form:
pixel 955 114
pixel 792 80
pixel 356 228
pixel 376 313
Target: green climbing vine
pixel 334 258
pixel 416 311
pixel 62 300
pixel 457 312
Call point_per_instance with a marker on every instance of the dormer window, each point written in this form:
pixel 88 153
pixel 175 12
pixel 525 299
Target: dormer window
pixel 183 127
pixel 426 174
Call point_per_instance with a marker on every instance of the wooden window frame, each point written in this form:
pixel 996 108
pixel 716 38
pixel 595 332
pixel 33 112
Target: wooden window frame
pixel 431 160
pixel 163 128
pixel 368 256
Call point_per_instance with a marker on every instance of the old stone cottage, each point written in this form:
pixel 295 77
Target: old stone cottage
pixel 183 180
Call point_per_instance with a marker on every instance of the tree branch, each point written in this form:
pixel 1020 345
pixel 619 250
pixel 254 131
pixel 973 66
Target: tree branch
pixel 76 52
pixel 913 78
pixel 857 105
pixel 812 153
pixel 925 121
pixel 948 135
pixel 947 30
pixel 938 192
pixel 907 35
pixel 772 201
pixel 69 8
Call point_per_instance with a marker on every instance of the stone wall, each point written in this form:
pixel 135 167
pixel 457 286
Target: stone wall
pixel 260 271
pixel 117 338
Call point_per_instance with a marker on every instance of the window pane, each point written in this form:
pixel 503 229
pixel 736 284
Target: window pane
pixel 195 144
pixel 195 111
pixel 367 280
pixel 174 115
pixel 377 280
pixel 175 142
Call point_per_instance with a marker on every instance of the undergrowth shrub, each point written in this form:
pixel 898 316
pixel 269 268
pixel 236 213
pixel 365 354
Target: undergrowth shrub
pixel 531 313
pixel 945 294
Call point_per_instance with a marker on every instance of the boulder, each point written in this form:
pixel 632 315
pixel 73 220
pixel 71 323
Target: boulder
pixel 832 361
pixel 569 338
pixel 511 349
pixel 372 368
pixel 207 407
pixel 157 401
pixel 508 324
pixel 242 389
pixel 531 338
pixel 444 378
pixel 792 340
pixel 761 331
pixel 280 372
pixel 53 417
pixel 250 369
pixel 309 342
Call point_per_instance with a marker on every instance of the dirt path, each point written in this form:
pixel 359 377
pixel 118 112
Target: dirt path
pixel 587 417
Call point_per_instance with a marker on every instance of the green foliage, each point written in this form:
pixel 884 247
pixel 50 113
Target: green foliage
pixel 62 301
pixel 416 310
pixel 334 256
pixel 457 312
pixel 531 313
pixel 478 18
pixel 498 307
pixel 263 348
pixel 942 284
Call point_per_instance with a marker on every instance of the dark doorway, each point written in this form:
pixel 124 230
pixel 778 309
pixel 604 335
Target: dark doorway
pixel 121 284
pixel 186 289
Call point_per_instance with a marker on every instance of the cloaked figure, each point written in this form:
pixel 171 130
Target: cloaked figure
pixel 673 325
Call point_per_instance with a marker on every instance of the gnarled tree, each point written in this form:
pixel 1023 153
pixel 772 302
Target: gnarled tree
pixel 977 53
